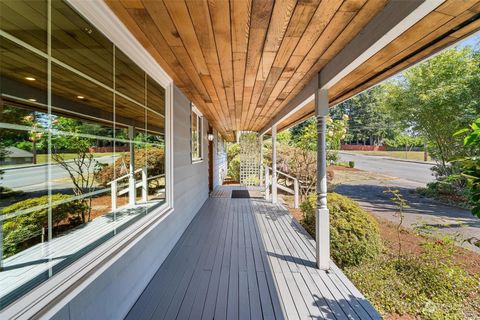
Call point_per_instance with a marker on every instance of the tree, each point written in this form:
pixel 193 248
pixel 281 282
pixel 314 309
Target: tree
pixel 81 168
pixel 306 137
pixel 436 98
pixel 369 122
pixel 471 164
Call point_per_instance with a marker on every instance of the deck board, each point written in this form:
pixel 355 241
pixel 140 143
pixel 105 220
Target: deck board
pixel 247 259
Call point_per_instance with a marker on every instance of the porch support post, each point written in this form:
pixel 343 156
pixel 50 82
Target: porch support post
pixel 131 178
pixel 274 164
pixel 322 221
pixel 261 159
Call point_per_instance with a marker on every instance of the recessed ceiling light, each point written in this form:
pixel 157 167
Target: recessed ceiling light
pixel 80 97
pixel 31 99
pixel 30 78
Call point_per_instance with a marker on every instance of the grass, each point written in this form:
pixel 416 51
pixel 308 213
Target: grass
pixel 411 155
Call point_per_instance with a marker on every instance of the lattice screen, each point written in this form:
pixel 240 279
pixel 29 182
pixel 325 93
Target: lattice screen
pixel 249 159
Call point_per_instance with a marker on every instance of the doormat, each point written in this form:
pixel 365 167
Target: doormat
pixel 246 194
pixel 240 194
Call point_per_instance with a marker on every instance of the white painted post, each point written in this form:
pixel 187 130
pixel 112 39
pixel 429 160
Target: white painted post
pixel 144 185
pixel 131 179
pixel 322 225
pixel 113 187
pixel 295 193
pixel 261 159
pixel 274 165
pixel 267 183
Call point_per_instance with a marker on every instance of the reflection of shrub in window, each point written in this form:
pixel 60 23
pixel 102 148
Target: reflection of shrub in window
pixel 27 229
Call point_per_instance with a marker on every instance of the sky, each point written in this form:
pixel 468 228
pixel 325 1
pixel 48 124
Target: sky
pixel 473 41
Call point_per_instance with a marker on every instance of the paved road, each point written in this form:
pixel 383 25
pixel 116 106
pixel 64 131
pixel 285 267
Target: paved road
pixel 424 214
pixel 412 171
pixel 34 178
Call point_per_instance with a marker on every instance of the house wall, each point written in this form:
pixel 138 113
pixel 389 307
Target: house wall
pixel 113 293
pixel 220 165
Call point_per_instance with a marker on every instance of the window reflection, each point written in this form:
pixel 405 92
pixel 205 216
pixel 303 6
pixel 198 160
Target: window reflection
pixel 77 172
pixel 80 45
pixel 26 20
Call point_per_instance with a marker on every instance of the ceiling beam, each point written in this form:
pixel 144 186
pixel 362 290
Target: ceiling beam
pixel 386 26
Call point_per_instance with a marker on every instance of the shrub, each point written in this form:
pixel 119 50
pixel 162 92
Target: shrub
pixel 354 234
pixel 351 164
pixel 155 164
pixel 429 286
pixel 234 168
pixel 19 231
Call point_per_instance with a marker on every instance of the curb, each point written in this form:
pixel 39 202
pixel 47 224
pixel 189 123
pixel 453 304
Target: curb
pixel 389 158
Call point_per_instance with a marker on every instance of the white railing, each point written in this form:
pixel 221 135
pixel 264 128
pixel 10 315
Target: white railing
pixel 285 187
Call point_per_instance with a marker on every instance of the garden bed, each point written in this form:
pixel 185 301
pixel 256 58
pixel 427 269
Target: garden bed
pixel 417 254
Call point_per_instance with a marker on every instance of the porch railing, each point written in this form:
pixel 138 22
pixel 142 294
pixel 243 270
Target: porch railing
pixel 285 182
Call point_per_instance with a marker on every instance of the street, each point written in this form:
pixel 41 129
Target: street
pixel 34 178
pixel 408 170
pixel 424 214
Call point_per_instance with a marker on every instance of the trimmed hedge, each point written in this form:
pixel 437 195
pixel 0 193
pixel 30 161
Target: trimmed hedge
pixel 354 234
pixel 25 230
pixel 155 165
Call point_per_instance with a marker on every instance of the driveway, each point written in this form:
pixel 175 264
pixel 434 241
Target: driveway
pixel 424 214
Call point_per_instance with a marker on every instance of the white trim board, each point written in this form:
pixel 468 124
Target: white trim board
pixel 103 18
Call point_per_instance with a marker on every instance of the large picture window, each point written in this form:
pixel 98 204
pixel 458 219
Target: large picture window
pixel 82 142
pixel 197 129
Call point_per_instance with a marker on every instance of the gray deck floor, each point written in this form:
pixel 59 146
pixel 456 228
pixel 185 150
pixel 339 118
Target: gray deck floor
pixel 247 259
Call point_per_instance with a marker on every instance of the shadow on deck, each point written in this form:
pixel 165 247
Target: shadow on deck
pixel 247 259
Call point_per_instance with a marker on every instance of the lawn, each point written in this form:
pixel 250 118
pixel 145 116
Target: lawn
pixel 411 155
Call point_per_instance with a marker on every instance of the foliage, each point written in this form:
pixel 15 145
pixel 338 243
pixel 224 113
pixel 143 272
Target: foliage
pixel 233 160
pixel 305 138
pixel 153 157
pixel 471 165
pixel 435 99
pixel 354 234
pixel 429 285
pixel 80 170
pixel 401 204
pixel 234 168
pixel 20 232
pixel 351 164
pixel 368 123
pixel 404 140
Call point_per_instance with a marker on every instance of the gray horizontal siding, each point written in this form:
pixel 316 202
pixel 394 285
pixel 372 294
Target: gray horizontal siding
pixel 113 293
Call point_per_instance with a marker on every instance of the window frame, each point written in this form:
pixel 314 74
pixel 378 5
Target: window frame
pixel 196 114
pixel 51 295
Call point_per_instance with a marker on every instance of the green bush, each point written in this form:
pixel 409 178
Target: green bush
pixel 428 286
pixel 155 165
pixel 234 168
pixel 354 233
pixel 351 164
pixel 23 231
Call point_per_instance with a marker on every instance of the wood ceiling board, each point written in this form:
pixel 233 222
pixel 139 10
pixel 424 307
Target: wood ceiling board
pixel 409 42
pixel 240 13
pixel 300 18
pixel 259 22
pixel 241 62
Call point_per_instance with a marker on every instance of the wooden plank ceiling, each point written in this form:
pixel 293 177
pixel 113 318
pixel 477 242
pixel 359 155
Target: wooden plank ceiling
pixel 241 61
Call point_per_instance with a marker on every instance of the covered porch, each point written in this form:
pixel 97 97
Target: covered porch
pixel 246 258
